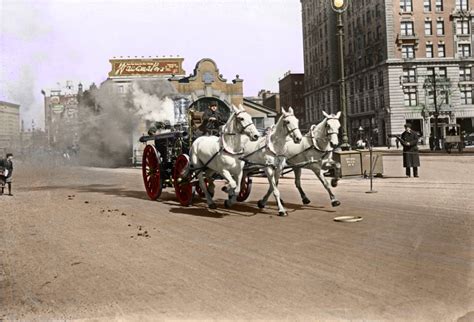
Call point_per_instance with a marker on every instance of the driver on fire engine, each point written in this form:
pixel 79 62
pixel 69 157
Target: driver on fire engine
pixel 212 120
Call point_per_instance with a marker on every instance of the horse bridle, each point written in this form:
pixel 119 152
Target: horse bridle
pixel 243 127
pixel 290 131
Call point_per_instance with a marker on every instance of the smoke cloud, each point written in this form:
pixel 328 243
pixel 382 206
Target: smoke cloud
pixel 153 100
pixel 108 119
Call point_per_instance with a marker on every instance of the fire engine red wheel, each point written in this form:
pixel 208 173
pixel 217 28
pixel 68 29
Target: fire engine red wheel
pixel 151 172
pixel 182 185
pixel 245 188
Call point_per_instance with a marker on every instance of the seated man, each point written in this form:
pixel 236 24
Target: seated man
pixel 212 120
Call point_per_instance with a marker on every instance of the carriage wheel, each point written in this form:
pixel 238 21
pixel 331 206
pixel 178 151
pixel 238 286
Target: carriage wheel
pixel 245 188
pixel 151 172
pixel 182 185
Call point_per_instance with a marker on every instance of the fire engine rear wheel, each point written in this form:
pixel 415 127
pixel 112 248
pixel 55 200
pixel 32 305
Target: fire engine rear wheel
pixel 151 172
pixel 245 188
pixel 182 184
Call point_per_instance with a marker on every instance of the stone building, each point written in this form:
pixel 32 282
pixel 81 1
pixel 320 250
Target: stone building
pixel 61 113
pixel 392 49
pixel 292 94
pixel 9 126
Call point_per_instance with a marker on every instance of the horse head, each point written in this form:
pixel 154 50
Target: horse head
pixel 245 123
pixel 290 122
pixel 332 128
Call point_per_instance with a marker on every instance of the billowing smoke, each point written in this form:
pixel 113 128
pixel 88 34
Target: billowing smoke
pixel 108 119
pixel 153 100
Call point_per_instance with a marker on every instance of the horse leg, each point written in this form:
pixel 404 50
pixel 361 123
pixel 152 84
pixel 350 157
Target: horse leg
pixel 202 183
pixel 231 189
pixel 303 196
pixel 263 202
pixel 336 166
pixel 273 176
pixel 317 171
pixel 210 182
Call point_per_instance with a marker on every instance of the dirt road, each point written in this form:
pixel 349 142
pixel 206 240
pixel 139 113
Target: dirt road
pixel 86 243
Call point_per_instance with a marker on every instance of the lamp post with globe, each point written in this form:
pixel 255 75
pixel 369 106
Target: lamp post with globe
pixel 339 6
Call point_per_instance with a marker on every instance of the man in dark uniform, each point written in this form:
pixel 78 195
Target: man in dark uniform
pixel 7 164
pixel 411 158
pixel 212 120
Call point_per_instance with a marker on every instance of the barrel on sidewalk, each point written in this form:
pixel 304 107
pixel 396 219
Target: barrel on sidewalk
pixel 357 162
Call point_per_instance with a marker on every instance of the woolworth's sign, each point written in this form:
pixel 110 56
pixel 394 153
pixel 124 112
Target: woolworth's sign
pixel 146 67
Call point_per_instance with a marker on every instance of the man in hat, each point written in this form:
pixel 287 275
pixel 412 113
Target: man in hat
pixel 411 158
pixel 212 119
pixel 7 164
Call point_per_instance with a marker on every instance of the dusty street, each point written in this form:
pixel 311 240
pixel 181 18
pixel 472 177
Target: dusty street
pixel 86 243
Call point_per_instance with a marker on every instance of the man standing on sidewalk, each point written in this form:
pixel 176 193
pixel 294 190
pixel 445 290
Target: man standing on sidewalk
pixel 7 164
pixel 411 158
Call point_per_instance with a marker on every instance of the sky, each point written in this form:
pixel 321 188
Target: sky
pixel 43 42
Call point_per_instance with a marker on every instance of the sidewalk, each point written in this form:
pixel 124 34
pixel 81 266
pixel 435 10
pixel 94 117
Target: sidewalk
pixel 422 149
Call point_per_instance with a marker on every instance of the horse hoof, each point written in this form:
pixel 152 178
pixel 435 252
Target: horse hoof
pixel 306 201
pixel 335 203
pixel 227 204
pixel 212 206
pixel 260 204
pixel 282 214
pixel 334 183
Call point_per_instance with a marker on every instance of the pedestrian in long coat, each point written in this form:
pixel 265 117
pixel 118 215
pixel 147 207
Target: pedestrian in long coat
pixel 411 158
pixel 8 165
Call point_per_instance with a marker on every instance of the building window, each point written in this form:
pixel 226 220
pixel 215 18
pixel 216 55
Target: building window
pixel 429 51
pixel 409 96
pixel 427 5
pixel 406 28
pixel 464 73
pixel 439 5
pixel 409 75
pixel 120 89
pixel 464 50
pixel 461 4
pixel 440 28
pixel 259 122
pixel 406 5
pixel 466 95
pixel 462 27
pixel 428 28
pixel 441 50
pixel 443 72
pixel 408 51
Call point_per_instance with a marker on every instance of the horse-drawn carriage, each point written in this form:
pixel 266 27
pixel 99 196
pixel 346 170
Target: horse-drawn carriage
pixel 190 163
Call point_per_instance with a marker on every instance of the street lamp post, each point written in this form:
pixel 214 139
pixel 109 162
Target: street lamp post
pixel 436 115
pixel 339 6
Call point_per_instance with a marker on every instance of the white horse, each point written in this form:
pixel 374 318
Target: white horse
pixel 269 153
pixel 315 153
pixel 212 154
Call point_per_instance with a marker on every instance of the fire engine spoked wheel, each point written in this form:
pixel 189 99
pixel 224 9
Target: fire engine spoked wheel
pixel 182 184
pixel 245 188
pixel 151 172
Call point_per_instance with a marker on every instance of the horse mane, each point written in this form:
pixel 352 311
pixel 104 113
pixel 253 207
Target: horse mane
pixel 232 141
pixel 316 134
